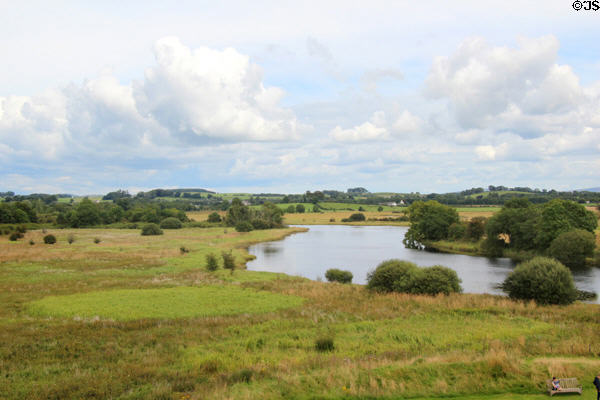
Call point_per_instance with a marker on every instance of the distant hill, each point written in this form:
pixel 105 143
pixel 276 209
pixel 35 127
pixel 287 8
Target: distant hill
pixel 596 189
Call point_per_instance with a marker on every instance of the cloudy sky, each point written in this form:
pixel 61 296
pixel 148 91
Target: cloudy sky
pixel 288 96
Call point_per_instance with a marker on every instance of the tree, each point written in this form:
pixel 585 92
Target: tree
pixel 514 226
pixel 559 216
pixel 429 222
pixel 542 279
pixel 476 228
pixel 86 214
pixel 571 248
pixel 237 213
pixel 300 208
pixel 214 217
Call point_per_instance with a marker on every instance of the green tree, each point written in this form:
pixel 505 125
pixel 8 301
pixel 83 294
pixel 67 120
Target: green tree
pixel 559 216
pixel 514 226
pixel 214 217
pixel 300 208
pixel 429 222
pixel 86 214
pixel 571 248
pixel 476 228
pixel 237 213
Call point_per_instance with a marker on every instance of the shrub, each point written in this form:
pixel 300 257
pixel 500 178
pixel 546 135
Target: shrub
pixel 228 261
pixel 380 209
pixel 476 228
pixel 70 238
pixel 31 242
pixel 171 223
pixel 21 229
pixel 437 279
pixel 211 262
pixel 214 217
pixel 300 208
pixel 361 208
pixel 291 209
pixel 184 250
pixel 324 344
pixel 337 275
pixel 243 226
pixel 542 279
pixel 97 240
pixel 15 236
pixel 571 248
pixel 151 229
pixel 406 277
pixel 50 239
pixel 392 275
pixel 357 217
pixel 457 231
pixel 331 219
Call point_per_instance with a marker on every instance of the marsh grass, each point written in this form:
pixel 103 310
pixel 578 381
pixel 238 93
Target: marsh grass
pixel 388 346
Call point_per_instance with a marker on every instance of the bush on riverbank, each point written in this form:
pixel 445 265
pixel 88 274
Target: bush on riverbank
pixel 338 275
pixel 571 248
pixel 542 279
pixel 406 277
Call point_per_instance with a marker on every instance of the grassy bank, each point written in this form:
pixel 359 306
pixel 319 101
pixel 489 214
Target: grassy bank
pixel 134 317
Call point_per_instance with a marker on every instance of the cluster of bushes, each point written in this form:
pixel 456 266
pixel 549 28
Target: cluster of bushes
pixel 338 275
pixel 17 212
pixel 356 217
pixel 212 264
pixel 298 208
pixel 88 213
pixel 406 277
pixel 402 218
pixel 244 219
pixel 15 232
pixel 557 228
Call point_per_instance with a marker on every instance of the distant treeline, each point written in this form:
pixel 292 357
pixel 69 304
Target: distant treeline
pixel 120 205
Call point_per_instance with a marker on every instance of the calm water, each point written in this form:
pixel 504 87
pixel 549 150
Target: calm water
pixel 360 248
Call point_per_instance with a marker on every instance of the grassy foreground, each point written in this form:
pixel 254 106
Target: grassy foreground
pixel 134 317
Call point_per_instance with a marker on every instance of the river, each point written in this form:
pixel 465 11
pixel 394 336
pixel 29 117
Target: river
pixel 360 249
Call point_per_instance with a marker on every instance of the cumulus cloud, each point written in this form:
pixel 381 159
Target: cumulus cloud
pixel 484 82
pixel 370 130
pixel 379 128
pixel 189 97
pixel 205 93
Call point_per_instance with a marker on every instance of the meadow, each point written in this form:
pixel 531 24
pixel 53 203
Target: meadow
pixel 139 317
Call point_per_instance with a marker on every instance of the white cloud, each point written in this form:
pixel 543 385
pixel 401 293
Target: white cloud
pixel 206 93
pixel 368 131
pixel 483 82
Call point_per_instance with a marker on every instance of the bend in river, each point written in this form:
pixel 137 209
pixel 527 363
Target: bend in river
pixel 360 249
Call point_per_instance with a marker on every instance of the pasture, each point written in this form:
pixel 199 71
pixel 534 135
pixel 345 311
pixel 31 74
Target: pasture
pixel 134 317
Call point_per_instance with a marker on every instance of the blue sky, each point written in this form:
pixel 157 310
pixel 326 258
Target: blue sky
pixel 292 96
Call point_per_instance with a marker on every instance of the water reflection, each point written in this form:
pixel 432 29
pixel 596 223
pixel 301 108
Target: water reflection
pixel 360 248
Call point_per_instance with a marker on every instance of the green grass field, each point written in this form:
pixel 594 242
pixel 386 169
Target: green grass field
pixel 134 317
pixel 164 303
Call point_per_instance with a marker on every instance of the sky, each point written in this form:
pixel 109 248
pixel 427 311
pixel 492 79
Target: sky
pixel 287 96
